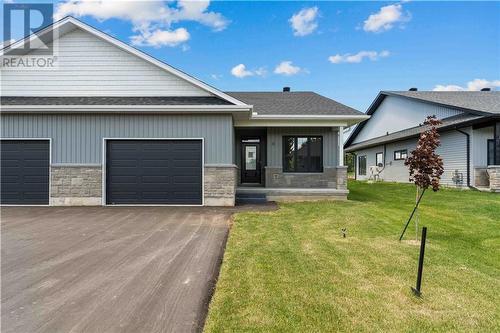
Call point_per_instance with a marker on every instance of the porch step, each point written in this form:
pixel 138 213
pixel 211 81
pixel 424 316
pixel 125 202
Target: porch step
pixel 250 197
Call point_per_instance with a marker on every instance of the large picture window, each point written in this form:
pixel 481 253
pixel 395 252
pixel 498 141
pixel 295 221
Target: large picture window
pixel 302 154
pixel 362 165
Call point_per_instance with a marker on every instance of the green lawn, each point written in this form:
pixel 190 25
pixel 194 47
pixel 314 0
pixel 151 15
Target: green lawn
pixel 290 270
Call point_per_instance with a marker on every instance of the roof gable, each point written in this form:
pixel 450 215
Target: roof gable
pixel 160 76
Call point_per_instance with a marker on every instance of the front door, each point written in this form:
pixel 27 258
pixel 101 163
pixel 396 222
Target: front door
pixel 250 166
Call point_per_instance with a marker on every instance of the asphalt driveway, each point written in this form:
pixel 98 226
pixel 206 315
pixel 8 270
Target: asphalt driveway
pixel 109 269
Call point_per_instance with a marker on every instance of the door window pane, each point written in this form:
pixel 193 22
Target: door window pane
pixel 251 157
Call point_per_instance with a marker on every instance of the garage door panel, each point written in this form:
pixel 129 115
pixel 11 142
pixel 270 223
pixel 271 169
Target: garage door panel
pixel 154 172
pixel 24 172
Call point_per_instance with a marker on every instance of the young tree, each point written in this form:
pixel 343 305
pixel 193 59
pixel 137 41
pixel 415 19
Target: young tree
pixel 426 167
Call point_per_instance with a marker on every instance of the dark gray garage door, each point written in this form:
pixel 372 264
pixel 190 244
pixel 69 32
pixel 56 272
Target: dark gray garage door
pixel 24 172
pixel 154 172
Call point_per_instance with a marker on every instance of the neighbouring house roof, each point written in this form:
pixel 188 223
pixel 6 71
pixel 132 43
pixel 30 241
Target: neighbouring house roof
pixel 475 105
pixel 481 101
pixel 412 132
pixel 14 100
pixel 293 103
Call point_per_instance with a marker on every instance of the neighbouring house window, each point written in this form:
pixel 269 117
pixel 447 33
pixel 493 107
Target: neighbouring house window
pixel 400 154
pixel 362 165
pixel 379 158
pixel 491 152
pixel 302 154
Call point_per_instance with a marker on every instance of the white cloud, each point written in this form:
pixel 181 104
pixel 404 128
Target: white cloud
pixel 241 71
pixel 160 38
pixel 216 76
pixel 474 85
pixel 386 18
pixel 304 22
pixel 150 19
pixel 287 68
pixel 358 57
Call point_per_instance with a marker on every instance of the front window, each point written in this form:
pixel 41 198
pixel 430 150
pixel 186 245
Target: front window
pixel 379 158
pixel 400 155
pixel 362 165
pixel 302 154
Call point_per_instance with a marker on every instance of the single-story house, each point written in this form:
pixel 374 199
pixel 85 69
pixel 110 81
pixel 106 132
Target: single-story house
pixel 98 122
pixel 470 136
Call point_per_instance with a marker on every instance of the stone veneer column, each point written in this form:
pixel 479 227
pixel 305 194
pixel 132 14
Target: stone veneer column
pixel 342 178
pixel 494 173
pixel 220 185
pixel 76 185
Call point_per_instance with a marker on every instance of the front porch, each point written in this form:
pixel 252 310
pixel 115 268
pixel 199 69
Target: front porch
pixel 290 164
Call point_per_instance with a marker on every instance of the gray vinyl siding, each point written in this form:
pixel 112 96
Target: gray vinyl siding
pixel 397 113
pixel 275 144
pixel 77 139
pixel 89 66
pixel 453 151
pixel 480 145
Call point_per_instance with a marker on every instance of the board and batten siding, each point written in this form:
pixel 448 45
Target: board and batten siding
pixel 397 113
pixel 275 144
pixel 453 151
pixel 77 139
pixel 89 66
pixel 480 139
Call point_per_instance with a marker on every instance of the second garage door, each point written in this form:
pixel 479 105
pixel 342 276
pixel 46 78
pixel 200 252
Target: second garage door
pixel 154 172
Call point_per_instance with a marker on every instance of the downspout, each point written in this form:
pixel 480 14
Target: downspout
pixel 468 154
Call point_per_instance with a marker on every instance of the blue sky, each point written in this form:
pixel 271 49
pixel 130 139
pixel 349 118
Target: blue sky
pixel 348 51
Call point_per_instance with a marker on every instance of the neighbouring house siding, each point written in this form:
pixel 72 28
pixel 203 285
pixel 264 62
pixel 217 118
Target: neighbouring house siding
pixel 479 145
pixel 275 144
pixel 89 66
pixel 396 113
pixel 453 150
pixel 77 139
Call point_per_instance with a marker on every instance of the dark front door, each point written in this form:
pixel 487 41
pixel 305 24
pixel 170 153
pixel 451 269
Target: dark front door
pixel 154 172
pixel 24 168
pixel 250 164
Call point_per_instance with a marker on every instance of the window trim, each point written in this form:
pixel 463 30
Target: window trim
pixel 295 137
pixel 488 155
pixel 359 165
pixel 400 151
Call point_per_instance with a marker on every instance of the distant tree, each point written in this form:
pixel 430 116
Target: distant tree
pixel 425 166
pixel 349 161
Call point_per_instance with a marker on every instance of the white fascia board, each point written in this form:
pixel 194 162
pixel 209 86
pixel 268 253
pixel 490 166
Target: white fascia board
pixel 127 48
pixel 308 117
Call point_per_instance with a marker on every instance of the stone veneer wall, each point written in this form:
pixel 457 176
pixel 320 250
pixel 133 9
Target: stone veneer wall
pixel 331 177
pixel 77 185
pixel 494 173
pixel 220 185
pixel 481 178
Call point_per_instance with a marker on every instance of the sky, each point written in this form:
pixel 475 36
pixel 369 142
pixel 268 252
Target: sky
pixel 347 51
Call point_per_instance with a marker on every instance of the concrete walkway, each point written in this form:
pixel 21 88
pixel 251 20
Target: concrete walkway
pixel 109 269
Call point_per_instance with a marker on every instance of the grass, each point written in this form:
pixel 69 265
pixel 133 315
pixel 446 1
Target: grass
pixel 290 270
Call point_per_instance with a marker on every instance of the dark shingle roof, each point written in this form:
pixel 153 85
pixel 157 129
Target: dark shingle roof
pixel 482 101
pixel 8 100
pixel 449 122
pixel 293 103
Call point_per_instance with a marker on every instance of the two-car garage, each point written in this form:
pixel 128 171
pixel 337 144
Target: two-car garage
pixel 152 171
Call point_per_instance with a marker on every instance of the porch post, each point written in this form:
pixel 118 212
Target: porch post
pixel 341 145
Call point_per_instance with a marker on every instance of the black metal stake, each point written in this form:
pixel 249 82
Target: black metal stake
pixel 416 290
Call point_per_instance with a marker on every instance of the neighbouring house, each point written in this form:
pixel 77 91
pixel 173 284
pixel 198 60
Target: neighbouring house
pixel 99 122
pixel 470 136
